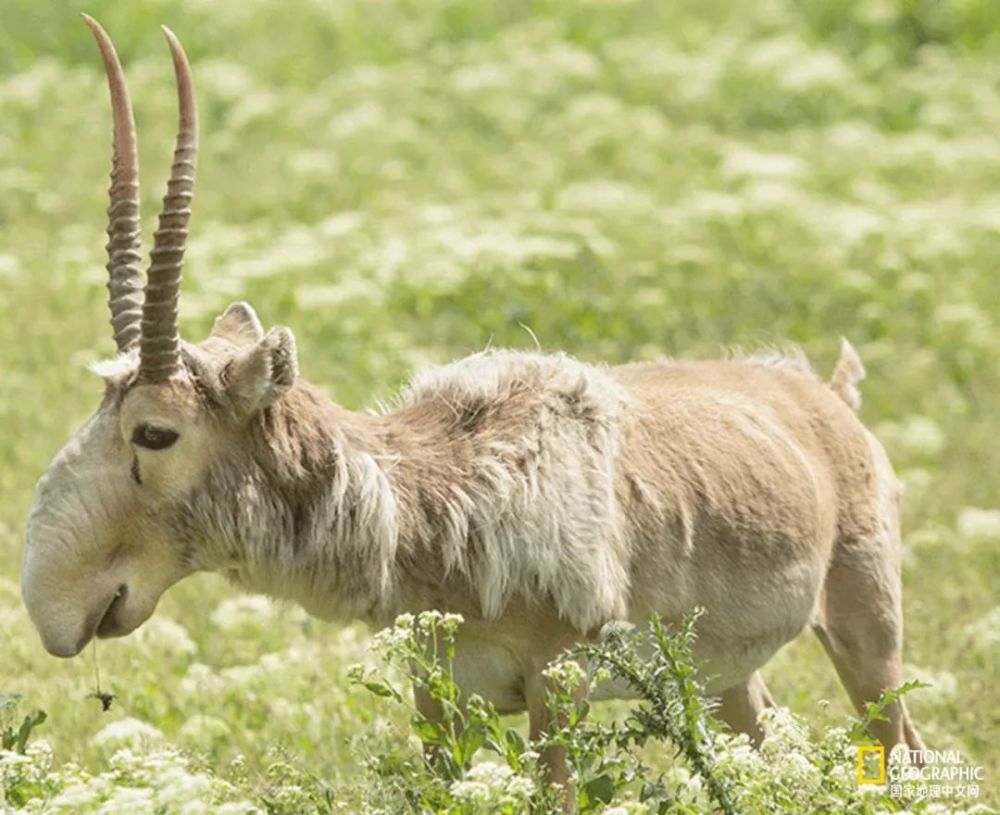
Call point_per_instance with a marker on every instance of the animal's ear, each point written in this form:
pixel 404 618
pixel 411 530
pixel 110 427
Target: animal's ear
pixel 239 325
pixel 261 374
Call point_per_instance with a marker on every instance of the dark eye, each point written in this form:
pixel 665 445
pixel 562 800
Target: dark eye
pixel 152 437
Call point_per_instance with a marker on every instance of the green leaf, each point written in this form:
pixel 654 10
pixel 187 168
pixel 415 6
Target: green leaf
pixel 601 789
pixel 382 689
pixel 19 741
pixel 468 744
pixel 429 732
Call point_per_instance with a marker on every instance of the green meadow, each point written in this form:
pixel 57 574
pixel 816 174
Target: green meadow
pixel 402 183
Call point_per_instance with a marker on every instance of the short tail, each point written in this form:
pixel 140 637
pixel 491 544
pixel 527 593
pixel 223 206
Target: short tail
pixel 847 373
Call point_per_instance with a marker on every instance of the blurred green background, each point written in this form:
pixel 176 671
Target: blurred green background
pixel 404 182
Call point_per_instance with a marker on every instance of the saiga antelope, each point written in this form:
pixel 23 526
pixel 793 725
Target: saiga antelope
pixel 538 496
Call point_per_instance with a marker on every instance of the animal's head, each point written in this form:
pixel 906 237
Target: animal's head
pixel 102 540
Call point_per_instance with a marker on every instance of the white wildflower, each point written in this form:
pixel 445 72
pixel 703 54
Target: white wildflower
pixel 10 266
pixel 128 732
pixel 428 620
pixel 167 636
pixel 603 195
pixel 565 675
pixel 797 767
pixel 772 193
pixel 943 683
pixel 917 435
pixel 561 60
pixel 967 318
pixel 128 801
pixel 979 524
pixel 80 794
pixel 742 163
pixel 258 104
pixel 917 481
pixel 520 786
pixel 710 203
pixel 842 775
pixel 986 630
pixel 783 732
pixel 628 808
pixel 471 791
pixel 202 730
pixel 815 69
pixel 736 752
pixel 14 768
pixel 200 681
pixel 685 785
pixel 482 76
pixel 341 224
pixel 391 640
pixel 451 621
pixel 226 80
pixel 234 808
pixel 361 118
pixel 775 52
pixel 39 753
pixel 848 223
pixel 492 783
pixel 177 785
pixel 313 163
pixel 249 611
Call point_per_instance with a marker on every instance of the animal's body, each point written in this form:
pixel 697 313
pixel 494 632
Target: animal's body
pixel 598 494
pixel 538 496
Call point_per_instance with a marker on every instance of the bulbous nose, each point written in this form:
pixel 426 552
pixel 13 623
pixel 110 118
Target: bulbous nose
pixel 64 650
pixel 70 584
pixel 67 604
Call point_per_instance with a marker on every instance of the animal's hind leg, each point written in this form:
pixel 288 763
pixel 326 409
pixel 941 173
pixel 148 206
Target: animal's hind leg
pixel 860 624
pixel 741 705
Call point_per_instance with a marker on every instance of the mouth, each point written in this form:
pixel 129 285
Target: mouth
pixel 121 614
pixel 110 624
pixel 106 625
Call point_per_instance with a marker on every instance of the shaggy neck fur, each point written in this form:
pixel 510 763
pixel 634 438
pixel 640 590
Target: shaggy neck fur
pixel 305 512
pixel 493 478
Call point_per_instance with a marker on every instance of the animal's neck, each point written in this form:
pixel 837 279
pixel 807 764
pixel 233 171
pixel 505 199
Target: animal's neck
pixel 331 503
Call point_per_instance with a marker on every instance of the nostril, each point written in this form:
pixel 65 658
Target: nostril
pixel 109 622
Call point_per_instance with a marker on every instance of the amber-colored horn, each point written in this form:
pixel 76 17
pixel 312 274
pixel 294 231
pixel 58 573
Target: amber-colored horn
pixel 160 341
pixel 124 237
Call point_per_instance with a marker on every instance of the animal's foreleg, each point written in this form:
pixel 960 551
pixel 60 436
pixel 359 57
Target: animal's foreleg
pixel 742 704
pixel 541 720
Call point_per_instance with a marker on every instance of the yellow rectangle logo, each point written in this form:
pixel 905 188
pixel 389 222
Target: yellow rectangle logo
pixel 871 764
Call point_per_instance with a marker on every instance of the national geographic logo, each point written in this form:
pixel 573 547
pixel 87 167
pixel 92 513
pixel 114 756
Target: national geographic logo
pixel 920 773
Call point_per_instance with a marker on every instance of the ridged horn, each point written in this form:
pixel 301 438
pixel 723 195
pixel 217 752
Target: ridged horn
pixel 124 236
pixel 159 349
